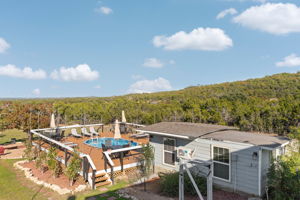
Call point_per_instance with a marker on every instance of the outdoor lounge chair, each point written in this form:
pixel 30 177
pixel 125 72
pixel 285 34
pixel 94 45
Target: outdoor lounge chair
pixel 85 132
pixel 74 133
pixel 92 130
pixel 70 144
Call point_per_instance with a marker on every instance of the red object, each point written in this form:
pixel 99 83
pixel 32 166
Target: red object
pixel 2 149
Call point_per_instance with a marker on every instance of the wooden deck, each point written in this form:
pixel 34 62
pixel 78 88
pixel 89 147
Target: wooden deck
pixel 96 154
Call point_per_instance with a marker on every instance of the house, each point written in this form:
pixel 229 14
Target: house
pixel 240 160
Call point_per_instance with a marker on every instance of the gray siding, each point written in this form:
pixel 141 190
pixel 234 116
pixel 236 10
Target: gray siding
pixel 244 169
pixel 265 164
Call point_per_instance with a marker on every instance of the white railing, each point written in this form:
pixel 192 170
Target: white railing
pixel 132 124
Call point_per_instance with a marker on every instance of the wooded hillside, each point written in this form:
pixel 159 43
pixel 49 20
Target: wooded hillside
pixel 269 104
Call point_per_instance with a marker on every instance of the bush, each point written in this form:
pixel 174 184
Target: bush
pixel 28 152
pixel 73 168
pixel 284 178
pixel 52 163
pixel 170 184
pixel 41 161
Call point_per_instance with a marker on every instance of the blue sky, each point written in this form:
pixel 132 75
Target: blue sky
pixel 103 48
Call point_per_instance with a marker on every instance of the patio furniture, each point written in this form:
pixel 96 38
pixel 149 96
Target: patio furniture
pixel 125 146
pixel 74 133
pixel 92 130
pixel 70 144
pixel 85 132
pixel 104 148
pixel 108 143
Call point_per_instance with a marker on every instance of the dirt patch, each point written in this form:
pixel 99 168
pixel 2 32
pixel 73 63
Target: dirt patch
pixel 13 151
pixel 62 181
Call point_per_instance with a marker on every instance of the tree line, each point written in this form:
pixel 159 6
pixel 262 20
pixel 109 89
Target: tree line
pixel 270 104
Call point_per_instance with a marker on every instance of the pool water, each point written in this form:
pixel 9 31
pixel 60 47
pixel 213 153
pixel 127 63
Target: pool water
pixel 97 142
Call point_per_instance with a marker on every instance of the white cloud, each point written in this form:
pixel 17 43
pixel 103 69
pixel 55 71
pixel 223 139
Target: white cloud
pixel 274 18
pixel 205 39
pixel 97 87
pixel 3 45
pixel 26 72
pixel 148 86
pixel 104 10
pixel 153 63
pixel 229 11
pixel 289 61
pixel 36 92
pixel 81 72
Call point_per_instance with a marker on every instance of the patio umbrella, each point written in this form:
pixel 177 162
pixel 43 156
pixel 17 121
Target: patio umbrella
pixel 123 117
pixel 52 122
pixel 117 134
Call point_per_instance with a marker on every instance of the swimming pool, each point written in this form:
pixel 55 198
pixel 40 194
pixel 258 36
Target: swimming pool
pixel 97 142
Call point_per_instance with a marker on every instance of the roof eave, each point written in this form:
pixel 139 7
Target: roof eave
pixel 167 134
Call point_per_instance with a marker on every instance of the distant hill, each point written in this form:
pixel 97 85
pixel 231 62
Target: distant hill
pixel 269 104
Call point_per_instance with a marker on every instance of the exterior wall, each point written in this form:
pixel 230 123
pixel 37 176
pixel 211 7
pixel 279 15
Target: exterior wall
pixel 244 168
pixel 265 164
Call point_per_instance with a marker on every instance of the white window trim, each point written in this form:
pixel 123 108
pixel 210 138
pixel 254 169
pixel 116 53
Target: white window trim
pixel 163 152
pixel 229 164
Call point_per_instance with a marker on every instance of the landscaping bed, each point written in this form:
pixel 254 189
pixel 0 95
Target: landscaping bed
pixel 62 181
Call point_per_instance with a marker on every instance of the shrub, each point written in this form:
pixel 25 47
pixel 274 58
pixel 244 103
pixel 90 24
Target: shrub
pixel 41 161
pixel 170 184
pixel 28 152
pixel 284 178
pixel 146 162
pixel 73 168
pixel 52 163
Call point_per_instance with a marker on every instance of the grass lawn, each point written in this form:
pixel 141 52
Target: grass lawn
pixel 6 135
pixel 14 186
pixel 10 186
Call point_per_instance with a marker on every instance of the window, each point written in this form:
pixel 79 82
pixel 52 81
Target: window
pixel 221 163
pixel 169 151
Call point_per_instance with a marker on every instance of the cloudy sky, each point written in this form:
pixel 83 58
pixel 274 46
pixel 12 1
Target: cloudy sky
pixel 102 48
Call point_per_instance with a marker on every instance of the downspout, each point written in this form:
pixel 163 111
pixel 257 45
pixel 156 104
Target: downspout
pixel 259 171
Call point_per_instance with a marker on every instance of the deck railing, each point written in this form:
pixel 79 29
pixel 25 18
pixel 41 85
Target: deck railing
pixel 87 162
pixel 108 161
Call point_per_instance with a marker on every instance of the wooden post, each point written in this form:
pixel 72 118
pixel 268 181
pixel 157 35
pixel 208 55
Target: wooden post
pixel 105 162
pixel 112 175
pixel 121 161
pixel 66 157
pixel 93 179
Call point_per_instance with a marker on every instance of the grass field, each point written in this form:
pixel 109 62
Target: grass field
pixel 10 187
pixel 6 135
pixel 14 186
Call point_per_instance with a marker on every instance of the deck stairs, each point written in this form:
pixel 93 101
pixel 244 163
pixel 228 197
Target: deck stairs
pixel 102 179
